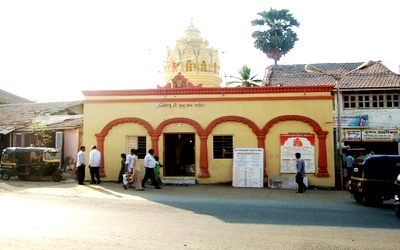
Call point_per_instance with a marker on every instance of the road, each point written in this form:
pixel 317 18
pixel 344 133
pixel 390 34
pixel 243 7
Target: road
pixel 63 215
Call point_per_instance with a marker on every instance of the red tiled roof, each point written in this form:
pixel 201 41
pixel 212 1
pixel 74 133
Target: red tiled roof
pixel 17 116
pixel 375 76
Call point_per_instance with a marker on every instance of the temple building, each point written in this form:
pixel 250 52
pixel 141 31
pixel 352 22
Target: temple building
pixel 204 133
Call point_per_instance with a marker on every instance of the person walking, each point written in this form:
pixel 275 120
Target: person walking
pixel 301 173
pixel 80 165
pixel 349 165
pixel 122 169
pixel 136 170
pixel 149 164
pixel 157 170
pixel 127 181
pixel 94 165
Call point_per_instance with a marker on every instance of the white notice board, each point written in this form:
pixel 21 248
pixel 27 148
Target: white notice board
pixel 248 167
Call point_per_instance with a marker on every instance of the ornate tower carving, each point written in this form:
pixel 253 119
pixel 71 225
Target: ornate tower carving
pixel 193 59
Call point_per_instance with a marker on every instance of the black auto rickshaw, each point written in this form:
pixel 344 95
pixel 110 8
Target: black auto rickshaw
pixel 30 163
pixel 373 178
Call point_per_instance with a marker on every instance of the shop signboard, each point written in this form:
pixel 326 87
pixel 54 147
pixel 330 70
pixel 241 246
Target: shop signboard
pixel 293 143
pixel 380 135
pixel 351 135
pixel 371 135
pixel 248 167
pixel 351 121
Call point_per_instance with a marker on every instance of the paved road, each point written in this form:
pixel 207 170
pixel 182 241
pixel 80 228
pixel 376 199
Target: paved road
pixel 49 215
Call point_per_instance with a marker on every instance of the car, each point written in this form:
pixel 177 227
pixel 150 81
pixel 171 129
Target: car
pixel 373 178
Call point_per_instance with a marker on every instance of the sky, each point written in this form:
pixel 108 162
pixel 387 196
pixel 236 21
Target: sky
pixel 51 50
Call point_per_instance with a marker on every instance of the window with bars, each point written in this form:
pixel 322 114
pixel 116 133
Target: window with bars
pixel 136 142
pixel 223 147
pixel 367 100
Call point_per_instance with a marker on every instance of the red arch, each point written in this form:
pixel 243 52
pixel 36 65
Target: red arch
pixel 256 130
pixel 232 118
pixel 322 154
pixel 100 137
pixel 158 131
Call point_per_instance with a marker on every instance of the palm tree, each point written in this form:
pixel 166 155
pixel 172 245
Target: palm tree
pixel 245 80
pixel 279 39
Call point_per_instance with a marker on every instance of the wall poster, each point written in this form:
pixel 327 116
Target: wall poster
pixel 293 143
pixel 248 167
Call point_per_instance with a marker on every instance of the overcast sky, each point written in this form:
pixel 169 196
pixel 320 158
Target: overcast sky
pixel 51 50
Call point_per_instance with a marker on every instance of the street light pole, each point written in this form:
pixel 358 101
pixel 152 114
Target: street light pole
pixel 312 69
pixel 339 132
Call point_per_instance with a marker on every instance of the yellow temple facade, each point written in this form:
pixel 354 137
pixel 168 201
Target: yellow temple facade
pixel 194 125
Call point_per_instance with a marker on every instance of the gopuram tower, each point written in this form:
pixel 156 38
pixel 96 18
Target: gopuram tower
pixel 192 60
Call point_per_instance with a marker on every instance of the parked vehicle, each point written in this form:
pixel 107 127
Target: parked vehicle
pixel 397 197
pixel 30 163
pixel 373 177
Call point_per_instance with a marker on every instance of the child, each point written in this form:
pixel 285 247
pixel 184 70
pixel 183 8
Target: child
pixel 128 180
pixel 157 170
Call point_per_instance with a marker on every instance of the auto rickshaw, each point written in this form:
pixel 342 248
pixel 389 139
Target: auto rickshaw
pixel 373 178
pixel 30 163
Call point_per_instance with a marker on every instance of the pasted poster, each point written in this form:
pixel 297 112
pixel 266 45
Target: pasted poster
pixel 248 167
pixel 293 143
pixel 351 121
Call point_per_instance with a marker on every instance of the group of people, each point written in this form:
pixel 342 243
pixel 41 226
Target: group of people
pixel 129 173
pixel 130 167
pixel 94 165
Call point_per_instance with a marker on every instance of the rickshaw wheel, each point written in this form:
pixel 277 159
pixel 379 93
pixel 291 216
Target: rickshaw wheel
pixel 358 198
pixel 56 177
pixel 5 176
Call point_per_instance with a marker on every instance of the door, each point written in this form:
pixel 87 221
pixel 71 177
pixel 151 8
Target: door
pixel 179 157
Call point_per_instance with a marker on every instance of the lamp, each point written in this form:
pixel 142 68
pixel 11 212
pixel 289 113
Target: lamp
pixel 312 69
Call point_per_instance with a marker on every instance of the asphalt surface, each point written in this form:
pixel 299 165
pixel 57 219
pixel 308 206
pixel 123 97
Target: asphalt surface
pixel 64 215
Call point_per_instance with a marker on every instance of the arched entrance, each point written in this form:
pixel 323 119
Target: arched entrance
pixel 179 157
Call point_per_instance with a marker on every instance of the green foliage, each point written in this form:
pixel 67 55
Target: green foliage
pixel 43 136
pixel 245 79
pixel 279 38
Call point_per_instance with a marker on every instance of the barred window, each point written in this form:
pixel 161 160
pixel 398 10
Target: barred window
pixel 223 147
pixel 367 99
pixel 136 142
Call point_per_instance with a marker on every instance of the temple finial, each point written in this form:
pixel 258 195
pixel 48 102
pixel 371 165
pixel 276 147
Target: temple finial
pixel 191 21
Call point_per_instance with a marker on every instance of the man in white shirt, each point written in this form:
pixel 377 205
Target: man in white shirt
pixel 128 162
pixel 94 165
pixel 149 164
pixel 80 165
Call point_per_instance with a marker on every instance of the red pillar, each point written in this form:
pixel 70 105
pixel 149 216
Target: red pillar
pixel 203 157
pixel 322 157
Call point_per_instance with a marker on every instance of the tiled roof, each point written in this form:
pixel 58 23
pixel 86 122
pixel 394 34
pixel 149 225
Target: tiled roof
pixel 20 115
pixel 6 97
pixel 373 77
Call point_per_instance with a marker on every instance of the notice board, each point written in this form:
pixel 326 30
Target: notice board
pixel 248 167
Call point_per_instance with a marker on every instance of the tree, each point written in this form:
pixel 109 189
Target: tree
pixel 42 135
pixel 245 80
pixel 279 39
